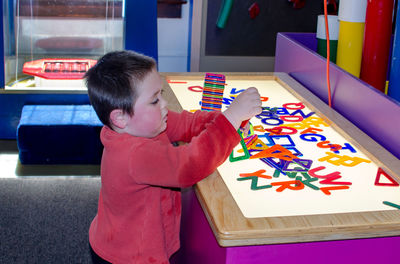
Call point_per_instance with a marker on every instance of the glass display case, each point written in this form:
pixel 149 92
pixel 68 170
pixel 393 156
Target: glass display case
pixel 51 44
pixel 48 45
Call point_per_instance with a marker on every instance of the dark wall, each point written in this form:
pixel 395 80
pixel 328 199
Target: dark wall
pixel 243 36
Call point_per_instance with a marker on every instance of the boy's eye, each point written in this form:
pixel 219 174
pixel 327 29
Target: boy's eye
pixel 155 101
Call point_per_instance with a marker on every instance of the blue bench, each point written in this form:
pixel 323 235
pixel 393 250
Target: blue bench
pixel 59 134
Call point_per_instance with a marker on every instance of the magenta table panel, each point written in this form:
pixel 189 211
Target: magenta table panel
pixel 199 246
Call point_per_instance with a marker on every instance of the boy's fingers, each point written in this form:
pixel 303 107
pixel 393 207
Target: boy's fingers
pixel 258 110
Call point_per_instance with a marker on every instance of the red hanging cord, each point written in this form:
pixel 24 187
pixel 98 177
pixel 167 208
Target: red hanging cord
pixel 327 53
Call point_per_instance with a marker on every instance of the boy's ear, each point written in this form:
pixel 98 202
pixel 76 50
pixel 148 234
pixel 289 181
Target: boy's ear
pixel 118 118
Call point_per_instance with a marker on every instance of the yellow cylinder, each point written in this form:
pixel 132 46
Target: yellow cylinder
pixel 350 44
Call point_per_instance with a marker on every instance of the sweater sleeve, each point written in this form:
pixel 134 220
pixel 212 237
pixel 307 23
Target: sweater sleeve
pixel 159 163
pixel 183 126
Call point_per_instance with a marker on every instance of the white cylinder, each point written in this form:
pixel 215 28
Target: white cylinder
pixel 352 10
pixel 333 26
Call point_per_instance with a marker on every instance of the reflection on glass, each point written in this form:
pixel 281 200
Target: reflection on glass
pixel 58 40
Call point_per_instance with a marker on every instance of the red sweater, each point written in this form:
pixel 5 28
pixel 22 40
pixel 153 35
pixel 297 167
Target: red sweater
pixel 138 218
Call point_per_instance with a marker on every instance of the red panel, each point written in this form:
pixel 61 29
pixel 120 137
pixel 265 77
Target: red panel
pixel 378 31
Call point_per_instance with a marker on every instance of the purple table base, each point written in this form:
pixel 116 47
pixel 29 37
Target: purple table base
pixel 199 246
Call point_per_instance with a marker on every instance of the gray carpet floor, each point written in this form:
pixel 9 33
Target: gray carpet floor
pixel 46 220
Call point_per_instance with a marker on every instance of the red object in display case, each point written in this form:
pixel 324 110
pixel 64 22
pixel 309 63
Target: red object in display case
pixel 58 69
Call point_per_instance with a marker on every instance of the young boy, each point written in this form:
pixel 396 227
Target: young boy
pixel 139 208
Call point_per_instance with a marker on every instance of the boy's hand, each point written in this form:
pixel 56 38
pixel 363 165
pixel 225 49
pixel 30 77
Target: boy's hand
pixel 246 105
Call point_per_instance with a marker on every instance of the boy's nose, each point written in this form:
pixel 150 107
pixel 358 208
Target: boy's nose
pixel 163 102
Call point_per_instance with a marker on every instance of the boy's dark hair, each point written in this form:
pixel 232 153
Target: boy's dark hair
pixel 112 82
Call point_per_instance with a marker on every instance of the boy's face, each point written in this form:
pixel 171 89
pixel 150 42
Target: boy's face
pixel 150 110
